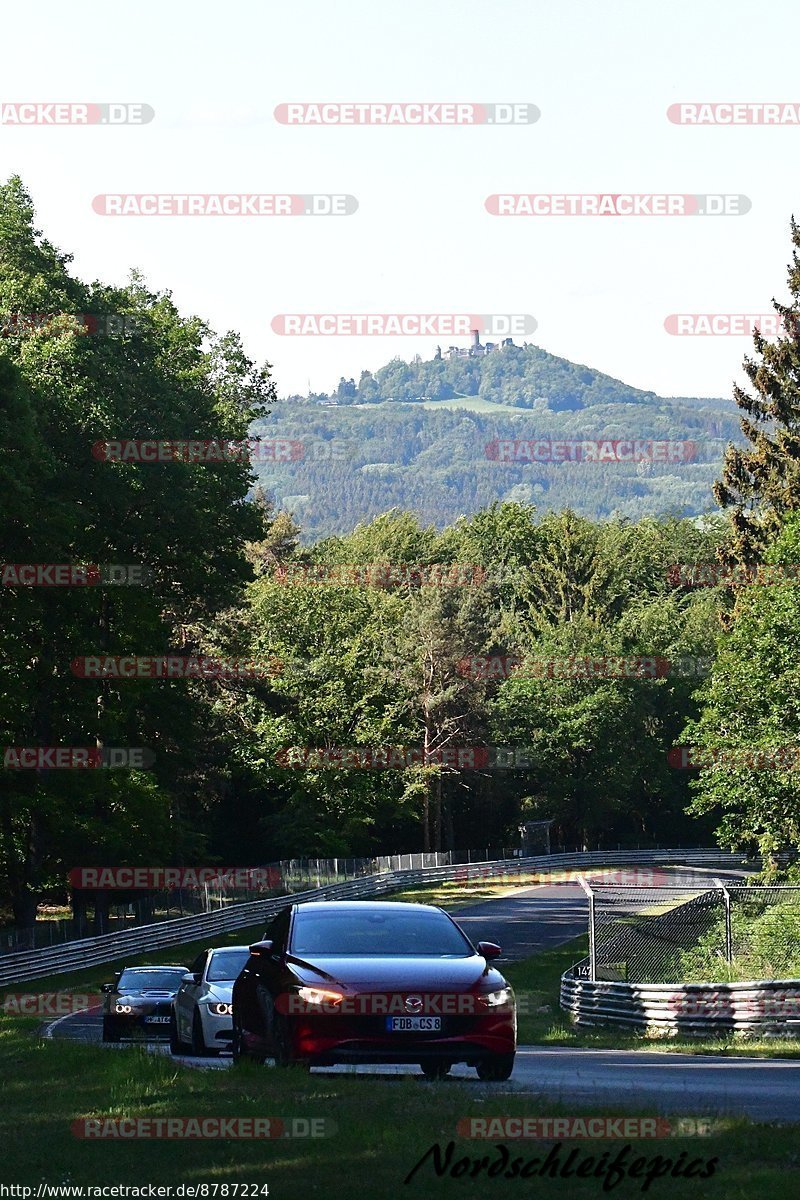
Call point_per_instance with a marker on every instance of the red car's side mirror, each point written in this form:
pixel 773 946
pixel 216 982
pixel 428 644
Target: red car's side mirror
pixel 489 949
pixel 262 949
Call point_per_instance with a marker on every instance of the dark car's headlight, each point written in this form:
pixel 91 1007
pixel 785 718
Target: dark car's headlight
pixel 495 999
pixel 220 1009
pixel 123 1008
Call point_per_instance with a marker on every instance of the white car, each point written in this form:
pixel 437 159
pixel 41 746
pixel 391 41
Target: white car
pixel 201 1021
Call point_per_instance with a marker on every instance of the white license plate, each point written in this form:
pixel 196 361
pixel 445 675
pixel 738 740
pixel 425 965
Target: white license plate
pixel 156 1020
pixel 414 1024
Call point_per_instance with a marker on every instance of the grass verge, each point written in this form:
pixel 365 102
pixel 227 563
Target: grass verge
pixel 455 893
pixel 385 1126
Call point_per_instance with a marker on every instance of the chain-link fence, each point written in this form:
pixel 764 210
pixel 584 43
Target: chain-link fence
pixel 691 933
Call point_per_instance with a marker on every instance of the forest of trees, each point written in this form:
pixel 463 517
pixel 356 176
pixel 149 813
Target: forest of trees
pixel 246 770
pixel 352 464
pixel 415 436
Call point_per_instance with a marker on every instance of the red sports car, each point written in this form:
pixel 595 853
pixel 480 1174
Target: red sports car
pixel 374 982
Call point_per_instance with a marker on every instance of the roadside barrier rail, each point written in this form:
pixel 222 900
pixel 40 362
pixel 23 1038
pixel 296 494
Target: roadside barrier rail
pixel 769 1006
pixel 76 955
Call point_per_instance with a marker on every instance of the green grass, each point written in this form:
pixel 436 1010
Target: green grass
pixel 458 893
pixel 385 1126
pixel 453 894
pixel 473 404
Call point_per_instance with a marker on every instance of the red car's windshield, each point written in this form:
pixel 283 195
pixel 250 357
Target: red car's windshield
pixel 377 932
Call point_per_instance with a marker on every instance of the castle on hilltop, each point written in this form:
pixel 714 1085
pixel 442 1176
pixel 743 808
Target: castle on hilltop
pixel 476 350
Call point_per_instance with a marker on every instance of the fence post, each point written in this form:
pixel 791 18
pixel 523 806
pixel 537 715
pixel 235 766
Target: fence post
pixel 726 897
pixel 592 940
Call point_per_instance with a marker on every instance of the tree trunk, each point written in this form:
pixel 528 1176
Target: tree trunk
pixel 437 814
pixel 426 809
pixel 23 906
pixel 101 906
pixel 450 836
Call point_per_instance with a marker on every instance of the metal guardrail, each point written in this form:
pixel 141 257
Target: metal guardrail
pixel 76 955
pixel 128 908
pixel 767 1006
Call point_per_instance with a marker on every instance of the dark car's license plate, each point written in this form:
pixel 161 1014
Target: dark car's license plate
pixel 156 1020
pixel 414 1024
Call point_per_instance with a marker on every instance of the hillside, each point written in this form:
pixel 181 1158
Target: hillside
pixel 423 436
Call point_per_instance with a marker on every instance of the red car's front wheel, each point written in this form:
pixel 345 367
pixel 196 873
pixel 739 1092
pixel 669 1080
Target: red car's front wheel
pixel 436 1068
pixel 283 1043
pixel 238 1051
pixel 496 1069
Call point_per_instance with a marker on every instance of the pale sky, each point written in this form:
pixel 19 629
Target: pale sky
pixel 603 76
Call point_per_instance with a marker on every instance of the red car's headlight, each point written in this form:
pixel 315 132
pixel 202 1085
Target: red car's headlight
pixel 495 999
pixel 320 996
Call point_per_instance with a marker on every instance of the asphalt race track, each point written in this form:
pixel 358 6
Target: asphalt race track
pixel 539 917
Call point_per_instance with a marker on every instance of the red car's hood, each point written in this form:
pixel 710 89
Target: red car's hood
pixel 406 973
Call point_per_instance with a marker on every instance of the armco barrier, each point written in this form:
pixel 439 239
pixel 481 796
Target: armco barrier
pixel 34 964
pixel 694 1009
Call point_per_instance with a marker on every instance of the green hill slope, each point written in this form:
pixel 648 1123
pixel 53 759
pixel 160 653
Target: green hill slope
pixel 423 436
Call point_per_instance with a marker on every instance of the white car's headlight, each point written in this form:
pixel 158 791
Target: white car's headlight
pixel 123 1008
pixel 220 1010
pixel 495 999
